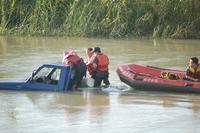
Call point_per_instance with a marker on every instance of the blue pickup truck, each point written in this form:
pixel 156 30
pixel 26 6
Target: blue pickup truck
pixel 48 77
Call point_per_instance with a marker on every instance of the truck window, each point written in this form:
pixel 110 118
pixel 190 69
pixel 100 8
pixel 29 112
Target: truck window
pixel 55 76
pixel 48 76
pixel 44 72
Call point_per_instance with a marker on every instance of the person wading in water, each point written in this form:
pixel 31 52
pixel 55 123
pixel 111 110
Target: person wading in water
pixel 100 63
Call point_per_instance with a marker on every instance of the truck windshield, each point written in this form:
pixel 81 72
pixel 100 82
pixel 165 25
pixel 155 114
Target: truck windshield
pixel 47 75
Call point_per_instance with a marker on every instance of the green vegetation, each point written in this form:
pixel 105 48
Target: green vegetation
pixel 107 18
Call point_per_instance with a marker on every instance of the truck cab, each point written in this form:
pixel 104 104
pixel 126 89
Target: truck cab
pixel 48 77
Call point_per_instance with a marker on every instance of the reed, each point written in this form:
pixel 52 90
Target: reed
pixel 105 18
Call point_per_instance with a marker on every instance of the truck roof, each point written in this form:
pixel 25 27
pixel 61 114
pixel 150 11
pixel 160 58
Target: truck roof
pixel 58 65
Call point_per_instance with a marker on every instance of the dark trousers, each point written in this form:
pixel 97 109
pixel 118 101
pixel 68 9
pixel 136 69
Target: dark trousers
pixel 99 77
pixel 79 74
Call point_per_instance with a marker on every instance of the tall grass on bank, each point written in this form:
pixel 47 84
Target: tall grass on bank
pixel 107 18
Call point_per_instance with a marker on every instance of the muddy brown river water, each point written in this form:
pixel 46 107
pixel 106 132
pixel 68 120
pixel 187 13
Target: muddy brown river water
pixel 117 109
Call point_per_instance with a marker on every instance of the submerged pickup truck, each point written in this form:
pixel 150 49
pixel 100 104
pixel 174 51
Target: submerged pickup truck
pixel 48 77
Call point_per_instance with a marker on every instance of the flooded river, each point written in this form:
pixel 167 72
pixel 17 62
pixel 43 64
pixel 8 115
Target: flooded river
pixel 116 109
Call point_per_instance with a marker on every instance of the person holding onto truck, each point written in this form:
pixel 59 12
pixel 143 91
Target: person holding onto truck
pixel 72 59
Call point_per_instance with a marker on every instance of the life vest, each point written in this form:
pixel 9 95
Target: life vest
pixel 90 69
pixel 90 66
pixel 89 58
pixel 170 75
pixel 194 72
pixel 103 62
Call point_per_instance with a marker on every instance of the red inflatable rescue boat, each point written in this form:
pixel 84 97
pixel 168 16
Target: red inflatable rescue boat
pixel 156 79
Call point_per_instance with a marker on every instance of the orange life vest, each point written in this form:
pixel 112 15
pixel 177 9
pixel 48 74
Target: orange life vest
pixel 90 67
pixel 103 62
